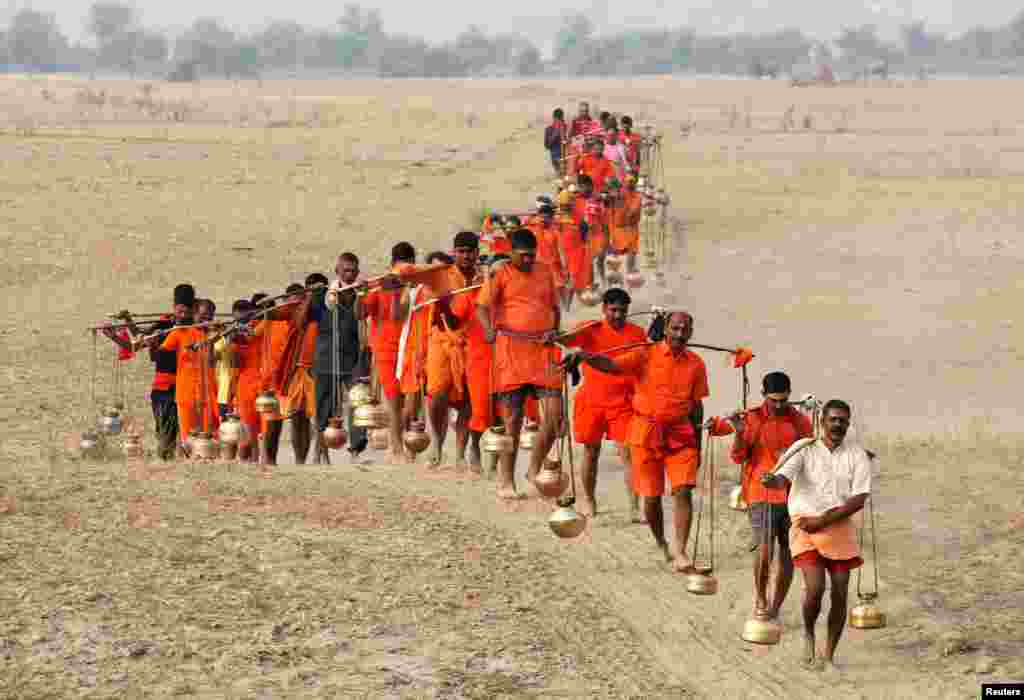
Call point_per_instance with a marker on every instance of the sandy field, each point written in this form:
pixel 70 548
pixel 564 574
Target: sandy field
pixel 862 238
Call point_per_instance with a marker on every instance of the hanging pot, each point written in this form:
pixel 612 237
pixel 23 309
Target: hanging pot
pixel 267 404
pixel 231 431
pixel 634 280
pixel 528 436
pixel 496 441
pixel 550 481
pixel 335 436
pixel 360 395
pixel 204 446
pixel 416 438
pixel 866 615
pixel 89 443
pixel 132 445
pixel 379 439
pixel 701 583
pixel 567 523
pixel 110 422
pixel 761 630
pixel 736 501
pixel 371 415
pixel 613 262
pixel 613 278
pixel 588 297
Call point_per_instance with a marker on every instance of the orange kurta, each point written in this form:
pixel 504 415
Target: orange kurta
pixel 595 215
pixel 549 248
pixel 766 437
pixel 446 354
pixel 624 223
pixel 300 394
pixel 434 281
pixel 274 335
pixel 661 437
pixel 250 381
pixel 196 410
pixel 599 170
pixel 384 338
pixel 522 304
pixel 578 263
pixel 478 361
pixel 603 405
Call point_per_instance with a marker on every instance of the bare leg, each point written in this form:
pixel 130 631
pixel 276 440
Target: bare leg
pixel 271 441
pixel 550 423
pixel 783 578
pixel 438 413
pixel 396 427
pixel 656 521
pixel 588 476
pixel 462 434
pixel 474 449
pixel 837 613
pixel 301 436
pixel 682 516
pixel 762 570
pixel 410 412
pixel 814 589
pixel 513 419
pixel 635 514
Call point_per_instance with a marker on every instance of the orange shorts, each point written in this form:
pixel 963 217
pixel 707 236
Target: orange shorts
pixel 386 361
pixel 812 560
pixel 592 424
pixel 651 466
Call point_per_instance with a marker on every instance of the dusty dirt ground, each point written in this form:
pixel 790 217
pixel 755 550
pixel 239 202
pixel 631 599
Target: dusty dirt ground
pixel 866 245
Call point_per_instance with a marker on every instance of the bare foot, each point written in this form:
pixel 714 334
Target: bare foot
pixel 509 493
pixel 434 460
pixel 681 564
pixel 587 507
pixel 809 660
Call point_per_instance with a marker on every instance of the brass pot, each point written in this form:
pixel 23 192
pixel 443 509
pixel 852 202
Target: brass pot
pixel 613 262
pixel 132 445
pixel 379 439
pixel 371 415
pixel 634 280
pixel 360 395
pixel 267 404
pixel 761 630
pixel 232 432
pixel 416 438
pixel 701 584
pixel 588 297
pixel 550 481
pixel 613 278
pixel 528 436
pixel 496 441
pixel 204 446
pixel 736 501
pixel 567 523
pixel 110 422
pixel 89 442
pixel 335 436
pixel 866 615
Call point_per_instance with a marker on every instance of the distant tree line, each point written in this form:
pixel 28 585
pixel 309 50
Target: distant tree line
pixel 358 44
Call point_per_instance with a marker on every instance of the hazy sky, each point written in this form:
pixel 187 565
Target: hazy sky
pixel 438 20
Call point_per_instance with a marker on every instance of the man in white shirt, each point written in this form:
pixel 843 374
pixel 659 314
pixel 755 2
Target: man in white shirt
pixel 828 483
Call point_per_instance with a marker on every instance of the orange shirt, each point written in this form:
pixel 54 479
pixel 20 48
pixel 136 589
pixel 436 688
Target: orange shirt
pixel 464 308
pixel 190 362
pixel 309 344
pixel 379 306
pixel 598 169
pixel 523 302
pixel 601 389
pixel 548 248
pixel 765 438
pixel 625 214
pixel 273 349
pixel 250 357
pixel 668 387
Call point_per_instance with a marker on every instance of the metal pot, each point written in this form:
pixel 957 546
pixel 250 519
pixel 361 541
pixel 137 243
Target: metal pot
pixel 761 630
pixel 701 584
pixel 267 404
pixel 360 395
pixel 567 523
pixel 371 415
pixel 528 436
pixel 588 297
pixel 228 452
pixel 335 436
pixel 110 422
pixel 496 441
pixel 866 615
pixel 232 431
pixel 550 481
pixel 416 438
